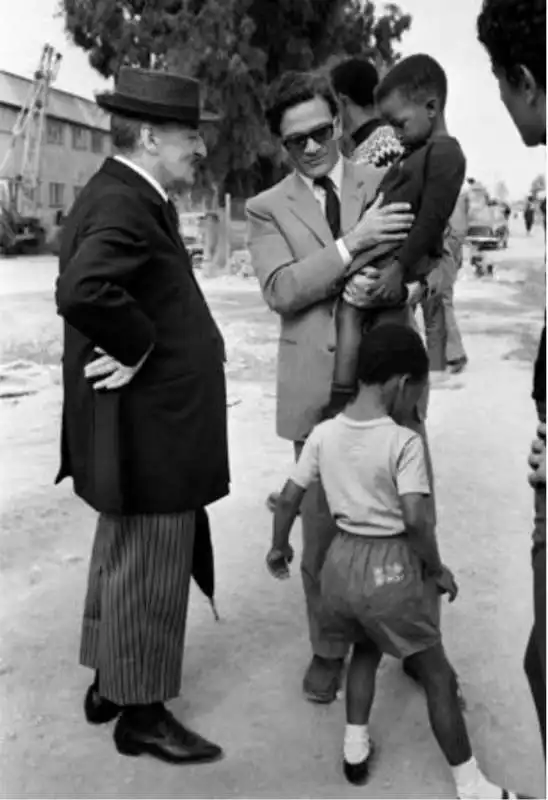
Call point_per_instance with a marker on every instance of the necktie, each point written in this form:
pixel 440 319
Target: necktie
pixel 332 204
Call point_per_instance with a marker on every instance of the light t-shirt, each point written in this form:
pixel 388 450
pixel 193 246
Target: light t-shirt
pixel 365 467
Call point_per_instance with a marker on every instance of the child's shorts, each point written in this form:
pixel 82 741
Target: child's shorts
pixel 373 589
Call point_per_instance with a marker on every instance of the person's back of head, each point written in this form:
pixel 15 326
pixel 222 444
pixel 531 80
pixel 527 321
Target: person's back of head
pixel 391 350
pixel 514 34
pixel 356 79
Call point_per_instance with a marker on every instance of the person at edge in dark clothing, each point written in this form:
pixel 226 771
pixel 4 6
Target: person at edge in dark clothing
pixel 514 34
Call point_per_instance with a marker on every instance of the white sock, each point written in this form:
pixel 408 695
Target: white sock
pixel 472 783
pixel 356 743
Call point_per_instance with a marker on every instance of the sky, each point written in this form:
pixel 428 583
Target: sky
pixel 444 29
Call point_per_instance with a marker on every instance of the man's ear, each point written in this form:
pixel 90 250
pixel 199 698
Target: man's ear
pixel 528 84
pixel 149 141
pixel 337 128
pixel 432 106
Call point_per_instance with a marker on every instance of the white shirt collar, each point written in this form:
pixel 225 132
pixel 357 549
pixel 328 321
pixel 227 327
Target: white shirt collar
pixel 336 176
pixel 144 174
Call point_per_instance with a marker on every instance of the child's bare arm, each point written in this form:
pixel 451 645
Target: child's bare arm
pixel 287 508
pixel 420 531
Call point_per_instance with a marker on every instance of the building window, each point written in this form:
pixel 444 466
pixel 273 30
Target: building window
pixel 97 141
pixel 79 138
pixel 56 194
pixel 55 132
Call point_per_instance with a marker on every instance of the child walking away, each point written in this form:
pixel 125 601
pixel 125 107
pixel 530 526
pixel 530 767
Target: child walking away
pixel 383 574
pixel 428 176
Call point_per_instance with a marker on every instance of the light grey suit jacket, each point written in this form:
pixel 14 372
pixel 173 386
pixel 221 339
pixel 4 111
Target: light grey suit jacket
pixel 301 274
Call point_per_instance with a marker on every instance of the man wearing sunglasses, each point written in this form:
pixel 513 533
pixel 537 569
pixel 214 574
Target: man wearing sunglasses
pixel 303 235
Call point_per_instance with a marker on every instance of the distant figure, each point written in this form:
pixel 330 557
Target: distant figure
pixel 529 215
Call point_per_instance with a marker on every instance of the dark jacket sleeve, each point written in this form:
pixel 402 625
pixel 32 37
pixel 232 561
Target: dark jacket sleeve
pixel 444 174
pixel 94 288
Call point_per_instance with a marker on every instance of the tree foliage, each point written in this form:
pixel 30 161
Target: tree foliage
pixel 237 48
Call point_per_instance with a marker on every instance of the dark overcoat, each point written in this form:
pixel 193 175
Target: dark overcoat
pixel 159 445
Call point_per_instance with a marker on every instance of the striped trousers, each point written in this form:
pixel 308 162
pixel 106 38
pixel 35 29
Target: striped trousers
pixel 136 605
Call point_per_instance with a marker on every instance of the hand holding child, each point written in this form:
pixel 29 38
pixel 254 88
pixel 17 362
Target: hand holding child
pixel 278 561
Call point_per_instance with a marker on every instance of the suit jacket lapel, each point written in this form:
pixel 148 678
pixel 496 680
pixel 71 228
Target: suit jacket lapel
pixel 305 206
pixel 354 197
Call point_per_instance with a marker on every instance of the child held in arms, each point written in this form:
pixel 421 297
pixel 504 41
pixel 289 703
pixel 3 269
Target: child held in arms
pixel 429 176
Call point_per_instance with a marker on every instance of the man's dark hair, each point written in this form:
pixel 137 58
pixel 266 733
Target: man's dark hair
pixel 294 88
pixel 514 33
pixel 390 350
pixel 415 77
pixel 357 79
pixel 125 133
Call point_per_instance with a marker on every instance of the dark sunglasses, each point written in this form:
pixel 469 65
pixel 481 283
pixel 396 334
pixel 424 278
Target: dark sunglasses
pixel 298 142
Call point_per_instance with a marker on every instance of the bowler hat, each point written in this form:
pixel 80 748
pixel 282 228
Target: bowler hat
pixel 156 96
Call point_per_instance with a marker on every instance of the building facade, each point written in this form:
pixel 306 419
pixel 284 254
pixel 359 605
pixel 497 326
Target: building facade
pixel 76 140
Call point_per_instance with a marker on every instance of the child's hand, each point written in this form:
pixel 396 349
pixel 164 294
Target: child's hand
pixel 278 561
pixel 447 584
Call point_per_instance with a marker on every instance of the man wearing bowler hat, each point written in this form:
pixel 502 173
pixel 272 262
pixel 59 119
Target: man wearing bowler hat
pixel 144 414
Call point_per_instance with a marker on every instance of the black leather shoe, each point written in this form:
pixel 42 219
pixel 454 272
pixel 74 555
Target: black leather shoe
pixel 358 773
pixel 97 709
pixel 322 680
pixel 162 736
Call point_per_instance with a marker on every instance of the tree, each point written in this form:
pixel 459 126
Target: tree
pixel 237 48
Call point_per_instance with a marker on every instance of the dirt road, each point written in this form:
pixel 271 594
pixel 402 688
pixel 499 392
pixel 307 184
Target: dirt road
pixel 242 676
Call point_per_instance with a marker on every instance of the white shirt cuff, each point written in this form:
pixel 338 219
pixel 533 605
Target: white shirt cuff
pixel 343 250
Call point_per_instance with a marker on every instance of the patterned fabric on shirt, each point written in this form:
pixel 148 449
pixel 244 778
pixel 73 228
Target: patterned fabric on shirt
pixel 380 149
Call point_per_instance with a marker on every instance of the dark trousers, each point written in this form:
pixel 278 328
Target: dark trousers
pixel 535 654
pixel 136 605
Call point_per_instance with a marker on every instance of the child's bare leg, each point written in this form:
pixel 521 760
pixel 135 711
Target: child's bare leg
pixel 349 336
pixel 438 679
pixel 360 682
pixel 360 692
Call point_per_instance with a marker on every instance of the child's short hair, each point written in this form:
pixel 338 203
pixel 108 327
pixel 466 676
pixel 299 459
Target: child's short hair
pixel 514 34
pixel 390 350
pixel 415 77
pixel 356 78
pixel 293 88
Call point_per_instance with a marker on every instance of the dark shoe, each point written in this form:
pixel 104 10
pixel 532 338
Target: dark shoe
pixel 162 736
pixel 98 709
pixel 358 773
pixel 458 366
pixel 322 679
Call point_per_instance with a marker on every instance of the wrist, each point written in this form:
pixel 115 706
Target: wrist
pixel 351 243
pixel 434 569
